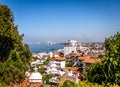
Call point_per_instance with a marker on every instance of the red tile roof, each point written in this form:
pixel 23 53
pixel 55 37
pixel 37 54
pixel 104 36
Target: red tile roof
pixel 91 60
pixel 71 68
pixel 60 58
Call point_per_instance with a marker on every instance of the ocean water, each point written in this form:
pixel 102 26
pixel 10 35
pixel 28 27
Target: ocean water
pixel 38 48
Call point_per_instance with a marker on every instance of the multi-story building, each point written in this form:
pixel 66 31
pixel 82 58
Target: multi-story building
pixel 70 47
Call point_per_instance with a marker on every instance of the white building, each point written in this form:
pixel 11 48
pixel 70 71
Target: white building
pixel 70 46
pixel 59 61
pixel 35 76
pixel 55 66
pixel 51 54
pixel 36 62
pixel 52 69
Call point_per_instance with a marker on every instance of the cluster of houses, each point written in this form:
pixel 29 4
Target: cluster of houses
pixel 57 65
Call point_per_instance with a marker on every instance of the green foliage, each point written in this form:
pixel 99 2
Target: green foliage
pixel 46 78
pixel 85 84
pixel 8 32
pixel 109 70
pixel 14 55
pixel 47 61
pixel 41 70
pixel 69 64
pixel 41 86
pixel 79 65
pixel 68 83
pixel 3 85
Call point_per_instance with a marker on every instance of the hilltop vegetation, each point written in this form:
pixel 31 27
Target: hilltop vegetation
pixel 108 71
pixel 14 55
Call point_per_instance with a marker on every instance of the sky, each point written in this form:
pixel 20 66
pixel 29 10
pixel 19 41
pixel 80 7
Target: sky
pixel 62 20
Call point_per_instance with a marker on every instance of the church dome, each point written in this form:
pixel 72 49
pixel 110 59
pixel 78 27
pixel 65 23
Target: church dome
pixel 35 77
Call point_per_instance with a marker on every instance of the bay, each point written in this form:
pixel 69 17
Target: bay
pixel 38 48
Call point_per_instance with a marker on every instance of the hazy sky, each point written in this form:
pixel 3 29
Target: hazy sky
pixel 60 20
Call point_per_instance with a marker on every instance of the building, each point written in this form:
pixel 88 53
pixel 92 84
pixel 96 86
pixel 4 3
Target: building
pixel 55 66
pixel 70 46
pixel 59 61
pixel 72 74
pixel 35 78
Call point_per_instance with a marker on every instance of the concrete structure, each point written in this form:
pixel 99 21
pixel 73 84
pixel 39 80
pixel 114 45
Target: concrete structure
pixel 35 76
pixel 55 66
pixel 59 61
pixel 52 69
pixel 72 74
pixel 70 46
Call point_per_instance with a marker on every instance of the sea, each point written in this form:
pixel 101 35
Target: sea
pixel 38 48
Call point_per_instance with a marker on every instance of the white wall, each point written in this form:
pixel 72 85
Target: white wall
pixel 68 50
pixel 62 65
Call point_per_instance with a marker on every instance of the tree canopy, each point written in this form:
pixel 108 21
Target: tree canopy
pixel 108 71
pixel 14 55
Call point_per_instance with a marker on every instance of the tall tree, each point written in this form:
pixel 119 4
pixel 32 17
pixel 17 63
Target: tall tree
pixel 108 71
pixel 14 55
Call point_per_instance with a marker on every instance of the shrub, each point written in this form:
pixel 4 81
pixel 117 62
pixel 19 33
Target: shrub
pixel 69 64
pixel 46 78
pixel 41 70
pixel 86 84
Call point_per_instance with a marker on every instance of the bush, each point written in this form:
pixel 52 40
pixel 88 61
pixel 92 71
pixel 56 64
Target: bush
pixel 69 64
pixel 85 84
pixel 41 70
pixel 1 85
pixel 46 78
pixel 79 65
pixel 68 84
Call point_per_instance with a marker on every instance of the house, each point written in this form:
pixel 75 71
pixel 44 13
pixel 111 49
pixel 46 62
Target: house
pixel 40 58
pixel 70 46
pixel 35 62
pixel 72 74
pixel 88 60
pixel 51 54
pixel 52 69
pixel 55 66
pixel 43 55
pixel 60 62
pixel 35 55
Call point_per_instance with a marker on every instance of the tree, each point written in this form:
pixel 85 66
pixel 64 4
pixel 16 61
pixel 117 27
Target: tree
pixel 14 55
pixel 108 71
pixel 9 36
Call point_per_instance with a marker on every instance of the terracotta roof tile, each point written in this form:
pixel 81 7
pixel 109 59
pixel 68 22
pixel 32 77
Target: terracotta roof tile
pixel 91 60
pixel 59 58
pixel 71 68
